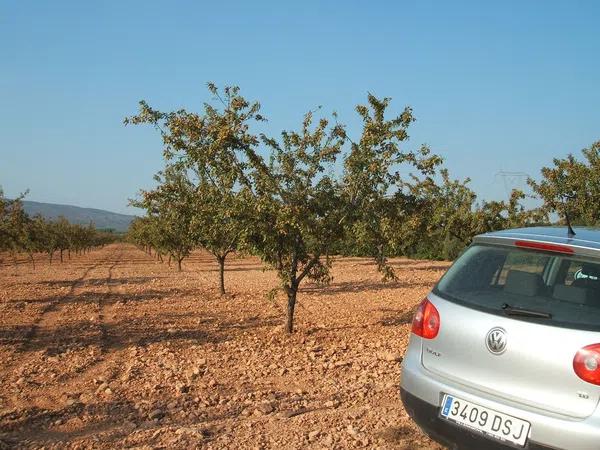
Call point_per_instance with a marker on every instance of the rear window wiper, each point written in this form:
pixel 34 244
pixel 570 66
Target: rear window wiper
pixel 516 311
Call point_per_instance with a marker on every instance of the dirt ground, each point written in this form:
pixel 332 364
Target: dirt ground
pixel 115 350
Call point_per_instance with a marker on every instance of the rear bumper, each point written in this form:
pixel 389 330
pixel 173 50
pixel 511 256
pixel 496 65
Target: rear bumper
pixel 422 392
pixel 448 434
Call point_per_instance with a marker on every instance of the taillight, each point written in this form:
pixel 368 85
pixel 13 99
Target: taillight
pixel 587 364
pixel 426 322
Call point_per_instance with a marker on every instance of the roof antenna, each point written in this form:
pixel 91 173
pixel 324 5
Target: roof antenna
pixel 570 231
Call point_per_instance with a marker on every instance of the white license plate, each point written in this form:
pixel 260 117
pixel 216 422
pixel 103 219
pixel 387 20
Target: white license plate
pixel 485 420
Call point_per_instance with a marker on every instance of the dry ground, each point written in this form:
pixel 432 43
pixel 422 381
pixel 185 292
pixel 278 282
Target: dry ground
pixel 115 350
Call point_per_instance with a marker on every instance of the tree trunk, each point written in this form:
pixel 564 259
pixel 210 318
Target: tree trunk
pixel 221 261
pixel 170 257
pixel 69 253
pixel 61 255
pixel 291 305
pixel 179 264
pixel 32 260
pixel 51 254
pixel 380 258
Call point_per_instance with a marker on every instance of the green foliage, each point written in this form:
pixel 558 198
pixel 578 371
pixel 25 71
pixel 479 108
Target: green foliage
pixel 298 205
pixel 20 233
pixel 448 216
pixel 13 225
pixel 376 191
pixel 212 152
pixel 170 214
pixel 285 199
pixel 573 186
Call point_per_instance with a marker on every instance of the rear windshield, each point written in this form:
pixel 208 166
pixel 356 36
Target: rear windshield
pixel 497 279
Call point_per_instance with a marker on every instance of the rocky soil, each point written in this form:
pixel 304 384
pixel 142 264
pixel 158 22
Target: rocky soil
pixel 115 350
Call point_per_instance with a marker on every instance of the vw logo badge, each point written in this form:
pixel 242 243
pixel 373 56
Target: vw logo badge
pixel 496 341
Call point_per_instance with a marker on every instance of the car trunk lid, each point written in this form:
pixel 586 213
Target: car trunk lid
pixel 523 358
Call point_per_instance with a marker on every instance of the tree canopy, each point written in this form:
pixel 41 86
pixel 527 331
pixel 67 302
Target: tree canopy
pixel 572 186
pixel 297 199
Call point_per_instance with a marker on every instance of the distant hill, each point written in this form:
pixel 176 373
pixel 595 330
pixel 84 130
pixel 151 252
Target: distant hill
pixel 75 214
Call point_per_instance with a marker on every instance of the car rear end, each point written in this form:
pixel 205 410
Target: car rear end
pixel 505 351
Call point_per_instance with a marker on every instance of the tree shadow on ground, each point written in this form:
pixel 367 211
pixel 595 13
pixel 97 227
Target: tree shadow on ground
pixel 108 422
pixel 397 317
pixel 253 322
pixel 108 298
pixel 247 268
pixel 361 286
pixel 140 331
pixel 396 434
pixel 98 281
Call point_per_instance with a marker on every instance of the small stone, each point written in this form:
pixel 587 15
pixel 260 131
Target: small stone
pixel 156 414
pixel 108 391
pixel 313 435
pixel 342 363
pixel 293 413
pixel 265 408
pixel 390 357
pixel 172 405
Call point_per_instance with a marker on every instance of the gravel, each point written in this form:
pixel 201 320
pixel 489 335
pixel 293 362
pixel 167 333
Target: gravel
pixel 115 350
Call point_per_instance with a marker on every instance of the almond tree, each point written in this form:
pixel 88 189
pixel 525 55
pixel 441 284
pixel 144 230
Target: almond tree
pixel 215 150
pixel 376 192
pixel 304 209
pixel 13 226
pixel 170 205
pixel 62 232
pixel 447 215
pixel 221 220
pixel 140 233
pixel 299 208
pixel 571 188
pixel 20 233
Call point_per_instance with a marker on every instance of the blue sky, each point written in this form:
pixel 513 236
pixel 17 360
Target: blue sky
pixel 495 86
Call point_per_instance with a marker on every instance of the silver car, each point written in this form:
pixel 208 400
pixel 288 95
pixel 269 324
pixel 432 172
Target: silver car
pixel 505 350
